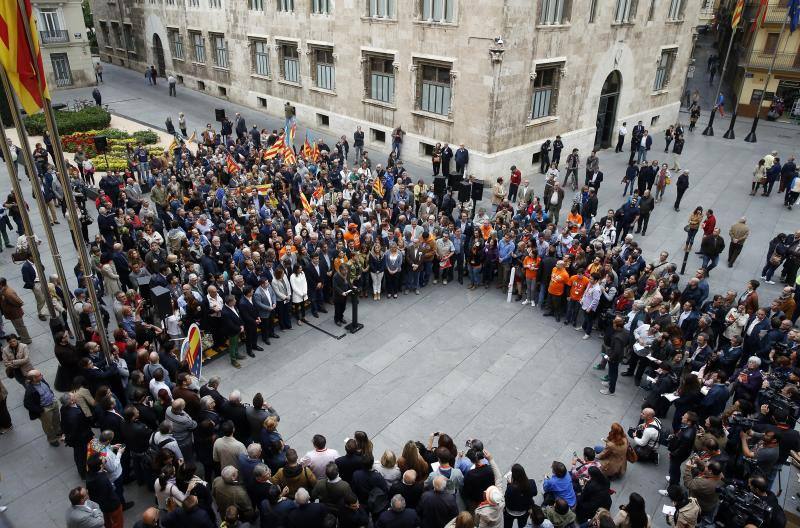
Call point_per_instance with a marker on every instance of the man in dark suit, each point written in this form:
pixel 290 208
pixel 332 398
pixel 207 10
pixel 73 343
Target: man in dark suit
pixel 248 312
pixel 232 326
pixel 757 327
pixel 264 299
pixel 688 320
pixel 123 267
pixel 307 514
pixel 315 277
pixel 594 180
pixel 77 429
pixel 341 289
pixel 212 389
pixel 398 516
pixel 447 156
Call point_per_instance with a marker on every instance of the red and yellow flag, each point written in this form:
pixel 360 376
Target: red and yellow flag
pixel 318 192
pixel 761 14
pixel 306 205
pixel 377 187
pixel 288 155
pixel 275 149
pixel 307 152
pixel 315 152
pixel 22 64
pixel 737 14
pixel 231 165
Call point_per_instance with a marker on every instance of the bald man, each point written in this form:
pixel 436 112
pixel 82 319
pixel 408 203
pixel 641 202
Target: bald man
pixel 149 519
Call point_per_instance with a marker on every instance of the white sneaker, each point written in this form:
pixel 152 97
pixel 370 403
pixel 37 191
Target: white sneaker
pixel 586 336
pixel 604 383
pixel 667 477
pixel 606 393
pixel 763 278
pixel 524 302
pixel 3 509
pixel 577 328
pixel 533 304
pixel 662 492
pixel 435 281
pixel 770 282
pixel 444 282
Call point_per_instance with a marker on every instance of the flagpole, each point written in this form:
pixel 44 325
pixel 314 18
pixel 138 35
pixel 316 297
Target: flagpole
pixel 23 210
pixel 751 137
pixel 63 175
pixel 709 130
pixel 30 166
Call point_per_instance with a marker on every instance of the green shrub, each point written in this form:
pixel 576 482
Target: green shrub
pixel 114 133
pixel 148 137
pixel 90 118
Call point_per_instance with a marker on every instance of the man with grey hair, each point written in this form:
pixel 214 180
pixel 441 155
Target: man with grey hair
pixel 307 514
pixel 182 427
pixel 227 491
pixel 248 462
pixel 212 389
pixel 398 516
pixel 437 507
pixel 261 488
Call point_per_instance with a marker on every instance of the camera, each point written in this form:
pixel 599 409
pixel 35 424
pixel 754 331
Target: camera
pixel 739 507
pixel 742 421
pixel 778 402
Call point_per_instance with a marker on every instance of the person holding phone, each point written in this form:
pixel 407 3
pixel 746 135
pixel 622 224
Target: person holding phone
pixel 341 289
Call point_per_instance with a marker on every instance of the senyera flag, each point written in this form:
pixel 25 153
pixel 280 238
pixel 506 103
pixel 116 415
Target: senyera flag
pixel 192 351
pixel 17 57
pixel 737 14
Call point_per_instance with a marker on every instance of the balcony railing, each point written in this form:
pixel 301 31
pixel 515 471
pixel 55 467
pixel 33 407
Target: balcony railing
pixel 54 36
pixel 762 59
pixel 707 12
pixel 776 11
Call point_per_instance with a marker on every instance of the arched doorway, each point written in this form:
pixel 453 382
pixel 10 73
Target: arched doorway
pixel 607 110
pixel 158 52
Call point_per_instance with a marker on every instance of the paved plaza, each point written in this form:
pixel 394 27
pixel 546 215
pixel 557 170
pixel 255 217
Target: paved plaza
pixel 463 362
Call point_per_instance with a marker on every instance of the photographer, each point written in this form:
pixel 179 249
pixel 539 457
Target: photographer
pixel 702 480
pixel 581 466
pixel 779 422
pixel 777 517
pixel 687 511
pixel 645 436
pixel 760 450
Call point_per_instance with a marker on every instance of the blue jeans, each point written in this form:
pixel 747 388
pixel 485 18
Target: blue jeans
pixel 710 263
pixel 475 275
pixel 144 170
pixel 573 308
pixel 427 270
pixel 396 147
pixel 588 322
pixel 412 280
pixel 631 184
pixel 768 271
pixel 542 294
pixel 641 154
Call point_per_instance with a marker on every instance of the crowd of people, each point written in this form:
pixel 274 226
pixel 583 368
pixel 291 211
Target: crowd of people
pixel 249 245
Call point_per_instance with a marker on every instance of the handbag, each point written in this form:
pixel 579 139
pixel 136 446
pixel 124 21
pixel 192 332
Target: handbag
pixel 686 228
pixel 775 259
pixel 631 455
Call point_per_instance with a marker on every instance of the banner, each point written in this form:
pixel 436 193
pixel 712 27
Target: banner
pixel 192 351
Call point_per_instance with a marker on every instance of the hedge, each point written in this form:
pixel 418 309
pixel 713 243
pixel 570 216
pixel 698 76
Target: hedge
pixel 148 137
pixel 90 118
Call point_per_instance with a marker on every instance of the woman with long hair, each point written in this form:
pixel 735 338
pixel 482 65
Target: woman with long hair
pixel 633 514
pixel 596 494
pixel 692 226
pixel 519 495
pixel 411 459
pixel 299 293
pixel 613 455
pixel 364 443
pixel 166 490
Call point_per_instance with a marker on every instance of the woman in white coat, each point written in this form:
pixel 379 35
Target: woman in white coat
pixel 299 293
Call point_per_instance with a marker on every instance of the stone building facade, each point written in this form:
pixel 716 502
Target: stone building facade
pixel 499 77
pixel 65 47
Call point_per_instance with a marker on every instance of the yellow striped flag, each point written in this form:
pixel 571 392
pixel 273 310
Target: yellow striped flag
pixel 193 139
pixel 172 146
pixel 231 165
pixel 288 155
pixel 318 192
pixel 304 201
pixel 26 76
pixel 377 187
pixel 307 152
pixel 262 189
pixel 315 152
pixel 737 14
pixel 275 149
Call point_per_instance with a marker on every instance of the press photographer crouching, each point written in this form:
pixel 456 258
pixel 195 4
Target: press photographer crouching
pixel 646 436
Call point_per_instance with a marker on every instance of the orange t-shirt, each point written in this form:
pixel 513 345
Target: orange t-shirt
pixel 531 265
pixel 577 285
pixel 558 281
pixel 575 219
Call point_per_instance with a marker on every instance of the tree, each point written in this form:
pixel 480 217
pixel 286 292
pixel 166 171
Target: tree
pixel 88 21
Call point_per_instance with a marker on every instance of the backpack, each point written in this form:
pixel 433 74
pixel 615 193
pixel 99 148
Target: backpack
pixel 153 449
pixel 377 501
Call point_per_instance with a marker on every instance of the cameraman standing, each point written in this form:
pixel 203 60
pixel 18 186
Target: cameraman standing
pixel 764 451
pixel 777 518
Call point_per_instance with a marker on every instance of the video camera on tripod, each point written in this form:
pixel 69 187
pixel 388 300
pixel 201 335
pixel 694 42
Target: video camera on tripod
pixel 739 507
pixel 776 401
